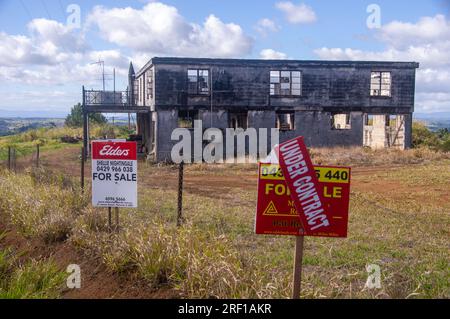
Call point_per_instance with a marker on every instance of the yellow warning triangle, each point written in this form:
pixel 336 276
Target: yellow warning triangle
pixel 271 209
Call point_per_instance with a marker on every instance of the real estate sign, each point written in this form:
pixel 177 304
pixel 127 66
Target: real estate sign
pixel 297 198
pixel 114 174
pixel 276 213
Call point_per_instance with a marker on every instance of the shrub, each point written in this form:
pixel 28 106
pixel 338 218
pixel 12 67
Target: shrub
pixel 422 136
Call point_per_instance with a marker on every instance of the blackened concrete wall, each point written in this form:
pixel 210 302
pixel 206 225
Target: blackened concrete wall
pixel 243 86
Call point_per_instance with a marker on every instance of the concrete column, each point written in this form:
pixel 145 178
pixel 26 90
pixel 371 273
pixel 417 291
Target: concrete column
pixel 408 129
pixel 166 122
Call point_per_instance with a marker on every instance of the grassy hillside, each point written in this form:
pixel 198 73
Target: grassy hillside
pixel 52 138
pixel 399 218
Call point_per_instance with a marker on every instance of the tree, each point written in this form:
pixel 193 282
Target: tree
pixel 75 117
pixel 422 136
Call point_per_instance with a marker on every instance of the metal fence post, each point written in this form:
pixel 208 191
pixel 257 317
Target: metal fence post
pixel 82 168
pixel 37 155
pixel 14 160
pixel 180 194
pixel 9 157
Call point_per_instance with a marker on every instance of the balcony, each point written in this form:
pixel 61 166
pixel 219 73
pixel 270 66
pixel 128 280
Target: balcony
pixel 98 101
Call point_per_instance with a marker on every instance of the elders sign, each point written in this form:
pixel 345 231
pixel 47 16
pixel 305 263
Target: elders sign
pixel 114 174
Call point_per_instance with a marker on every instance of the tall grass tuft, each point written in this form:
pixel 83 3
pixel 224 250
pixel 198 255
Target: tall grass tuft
pixel 44 210
pixel 198 264
pixel 34 280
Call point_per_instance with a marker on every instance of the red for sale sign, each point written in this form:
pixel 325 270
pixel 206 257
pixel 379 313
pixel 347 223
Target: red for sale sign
pixel 276 213
pixel 301 199
pixel 114 174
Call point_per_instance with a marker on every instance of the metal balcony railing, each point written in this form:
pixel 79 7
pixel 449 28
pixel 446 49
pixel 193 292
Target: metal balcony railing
pixel 105 98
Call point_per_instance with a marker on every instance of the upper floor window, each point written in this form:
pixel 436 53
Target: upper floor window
pixel 380 84
pixel 149 85
pixel 198 81
pixel 136 90
pixel 139 97
pixel 285 83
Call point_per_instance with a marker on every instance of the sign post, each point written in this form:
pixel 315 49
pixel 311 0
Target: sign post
pixel 298 259
pixel 114 176
pixel 82 169
pixel 299 199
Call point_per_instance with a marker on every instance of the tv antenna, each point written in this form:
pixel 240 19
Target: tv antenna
pixel 102 63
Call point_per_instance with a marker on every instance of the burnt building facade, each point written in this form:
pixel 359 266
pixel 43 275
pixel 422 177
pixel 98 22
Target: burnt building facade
pixel 330 103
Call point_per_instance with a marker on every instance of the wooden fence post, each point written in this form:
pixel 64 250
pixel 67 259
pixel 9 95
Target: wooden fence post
pixel 180 194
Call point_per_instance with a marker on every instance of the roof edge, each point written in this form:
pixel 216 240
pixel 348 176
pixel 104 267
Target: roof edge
pixel 223 61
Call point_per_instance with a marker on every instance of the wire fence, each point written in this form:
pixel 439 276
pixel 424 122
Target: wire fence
pixel 19 158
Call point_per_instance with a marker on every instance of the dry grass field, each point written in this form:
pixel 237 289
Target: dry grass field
pixel 399 220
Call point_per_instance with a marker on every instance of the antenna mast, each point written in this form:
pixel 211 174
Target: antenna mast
pixel 102 63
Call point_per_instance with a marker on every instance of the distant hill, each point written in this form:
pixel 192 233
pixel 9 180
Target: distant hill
pixel 31 114
pixel 434 121
pixel 15 125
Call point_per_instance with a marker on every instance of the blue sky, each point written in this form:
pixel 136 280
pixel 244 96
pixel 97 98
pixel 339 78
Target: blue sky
pixel 44 61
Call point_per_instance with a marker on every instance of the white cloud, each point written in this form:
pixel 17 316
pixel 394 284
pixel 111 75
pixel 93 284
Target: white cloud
pixel 49 42
pixel 297 14
pixel 426 42
pixel 158 29
pixel 53 54
pixel 428 30
pixel 432 101
pixel 270 54
pixel 266 26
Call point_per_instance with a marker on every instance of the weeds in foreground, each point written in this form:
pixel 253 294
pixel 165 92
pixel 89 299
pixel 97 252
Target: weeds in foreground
pixel 33 280
pixel 216 255
pixel 45 210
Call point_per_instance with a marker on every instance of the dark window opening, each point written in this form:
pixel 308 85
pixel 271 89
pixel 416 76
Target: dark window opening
pixel 237 120
pixel 198 81
pixel 186 119
pixel 285 121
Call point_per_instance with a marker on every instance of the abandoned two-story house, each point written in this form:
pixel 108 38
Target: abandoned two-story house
pixel 330 103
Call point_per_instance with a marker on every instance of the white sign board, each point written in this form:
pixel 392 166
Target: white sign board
pixel 114 174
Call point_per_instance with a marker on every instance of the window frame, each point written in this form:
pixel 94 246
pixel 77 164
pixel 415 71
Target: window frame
pixel 197 76
pixel 380 85
pixel 192 115
pixel 292 86
pixel 278 122
pixel 348 121
pixel 239 116
pixel 149 81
